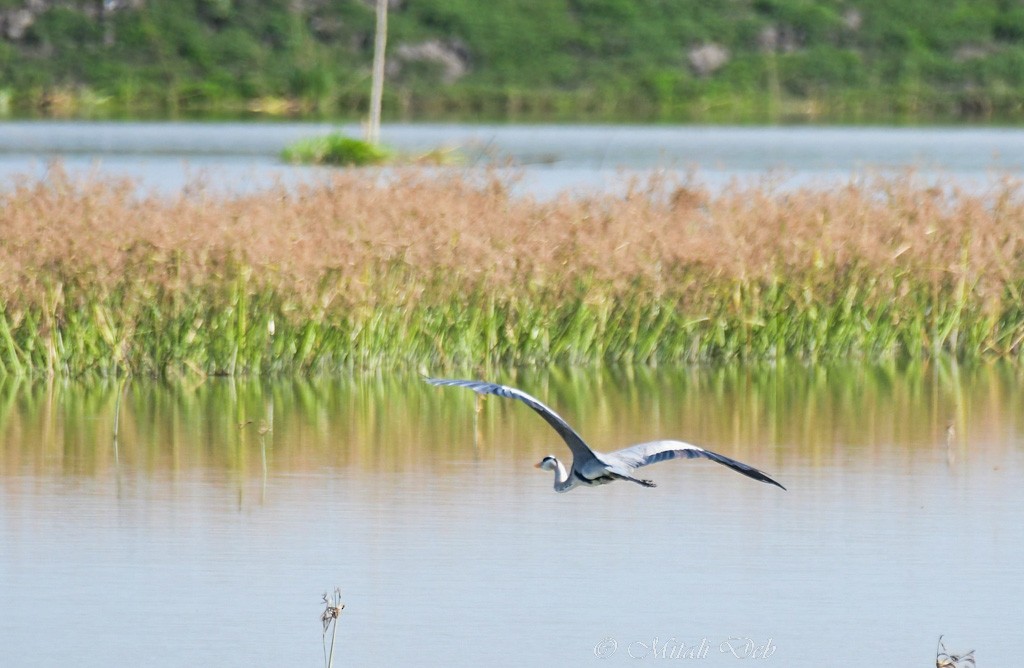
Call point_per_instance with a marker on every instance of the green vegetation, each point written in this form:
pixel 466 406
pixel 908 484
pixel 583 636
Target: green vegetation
pixel 335 149
pixel 432 272
pixel 636 60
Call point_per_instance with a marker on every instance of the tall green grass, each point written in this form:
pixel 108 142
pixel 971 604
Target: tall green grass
pixel 240 329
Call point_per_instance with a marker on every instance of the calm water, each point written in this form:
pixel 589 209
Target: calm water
pixel 237 157
pixel 195 539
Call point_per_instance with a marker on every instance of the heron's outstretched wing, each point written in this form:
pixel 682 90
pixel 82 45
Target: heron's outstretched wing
pixel 643 454
pixel 581 452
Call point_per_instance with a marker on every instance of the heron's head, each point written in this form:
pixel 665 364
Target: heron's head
pixel 549 463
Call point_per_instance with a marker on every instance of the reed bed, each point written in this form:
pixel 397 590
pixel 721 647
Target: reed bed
pixel 441 270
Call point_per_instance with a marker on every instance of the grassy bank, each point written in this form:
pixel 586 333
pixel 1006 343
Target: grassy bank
pixel 435 272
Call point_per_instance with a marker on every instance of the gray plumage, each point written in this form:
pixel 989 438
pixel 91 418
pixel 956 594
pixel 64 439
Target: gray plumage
pixel 593 468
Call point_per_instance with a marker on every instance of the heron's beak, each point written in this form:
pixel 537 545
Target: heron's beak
pixel 537 465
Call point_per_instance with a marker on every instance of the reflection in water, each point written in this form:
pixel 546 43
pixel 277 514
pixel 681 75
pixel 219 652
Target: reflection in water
pixel 198 522
pixel 818 416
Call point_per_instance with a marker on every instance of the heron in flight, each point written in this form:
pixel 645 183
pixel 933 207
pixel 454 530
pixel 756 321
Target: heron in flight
pixel 591 468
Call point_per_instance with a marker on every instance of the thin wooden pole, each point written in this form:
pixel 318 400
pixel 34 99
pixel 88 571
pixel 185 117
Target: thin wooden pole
pixel 377 87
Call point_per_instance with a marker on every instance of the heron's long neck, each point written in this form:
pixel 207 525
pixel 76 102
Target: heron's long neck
pixel 562 481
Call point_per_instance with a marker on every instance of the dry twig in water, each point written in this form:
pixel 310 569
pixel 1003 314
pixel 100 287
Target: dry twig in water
pixel 943 659
pixel 332 610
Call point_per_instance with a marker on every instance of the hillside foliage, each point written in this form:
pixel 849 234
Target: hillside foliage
pixel 640 60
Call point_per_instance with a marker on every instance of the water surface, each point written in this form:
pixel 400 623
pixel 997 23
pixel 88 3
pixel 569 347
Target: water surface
pixel 206 534
pixel 549 159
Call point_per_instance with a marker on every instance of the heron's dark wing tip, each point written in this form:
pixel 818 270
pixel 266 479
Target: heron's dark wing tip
pixel 760 475
pixel 756 474
pixel 739 467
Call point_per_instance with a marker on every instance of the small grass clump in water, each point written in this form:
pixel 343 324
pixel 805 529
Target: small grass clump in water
pixel 435 271
pixel 335 149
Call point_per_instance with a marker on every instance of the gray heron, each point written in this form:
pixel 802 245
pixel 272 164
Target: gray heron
pixel 591 468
